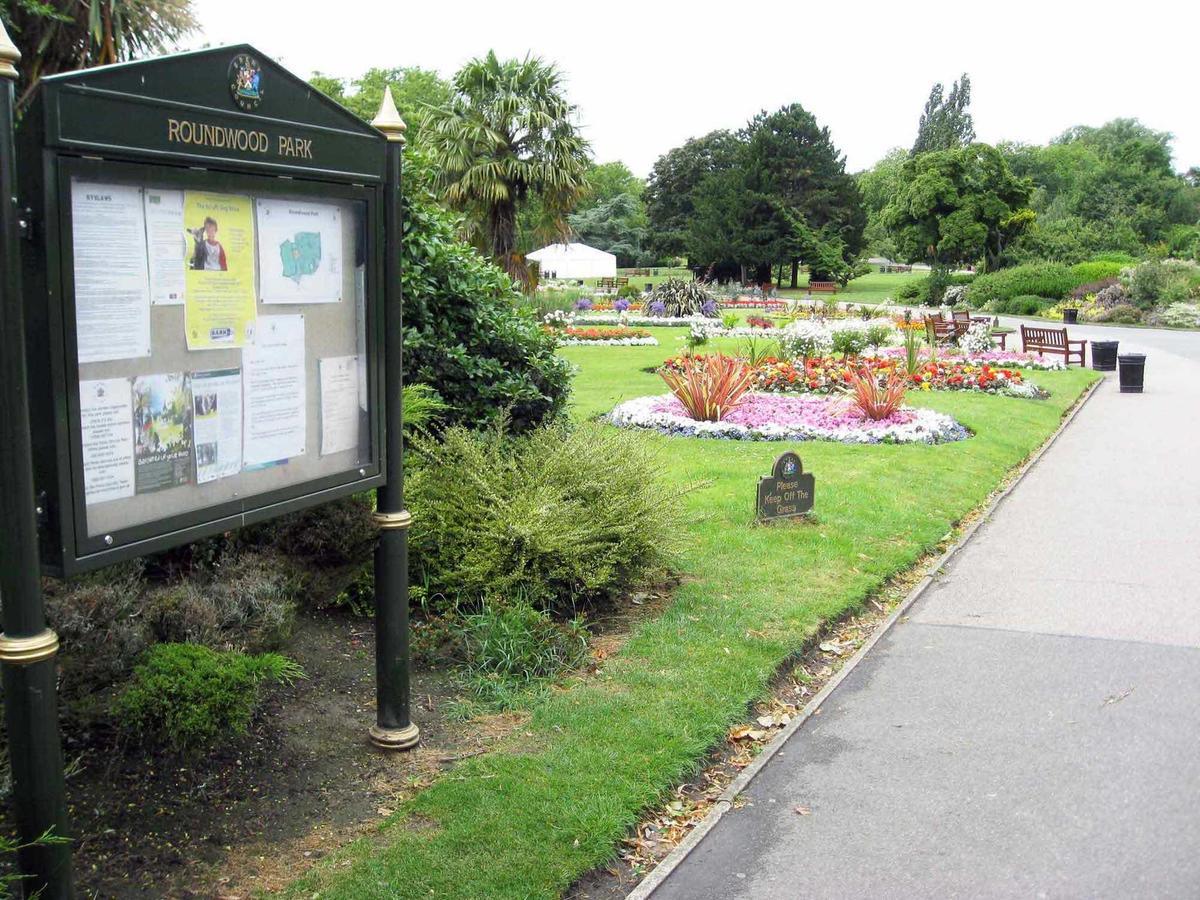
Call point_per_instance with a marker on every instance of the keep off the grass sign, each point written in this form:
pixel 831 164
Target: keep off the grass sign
pixel 787 492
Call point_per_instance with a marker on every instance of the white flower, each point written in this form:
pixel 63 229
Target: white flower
pixel 978 338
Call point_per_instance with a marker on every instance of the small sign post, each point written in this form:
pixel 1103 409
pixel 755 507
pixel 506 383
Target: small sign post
pixel 787 492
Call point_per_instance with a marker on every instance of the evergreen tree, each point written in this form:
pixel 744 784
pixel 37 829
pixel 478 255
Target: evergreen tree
pixel 945 121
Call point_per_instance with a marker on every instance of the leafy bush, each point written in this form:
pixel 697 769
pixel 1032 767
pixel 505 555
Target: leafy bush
pixel 515 641
pixel 878 335
pixel 189 698
pixel 1050 280
pixel 1024 305
pixel 467 331
pixel 921 288
pixel 629 291
pixel 332 534
pixel 1121 315
pixel 559 516
pixel 1123 259
pixel 682 298
pixel 1096 270
pixel 1112 295
pixel 1177 315
pixel 849 341
pixel 1092 288
pixel 709 386
pixel 1162 282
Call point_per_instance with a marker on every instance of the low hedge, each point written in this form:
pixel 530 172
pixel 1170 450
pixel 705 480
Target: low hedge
pixel 1052 280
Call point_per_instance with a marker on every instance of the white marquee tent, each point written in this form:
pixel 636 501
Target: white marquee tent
pixel 574 261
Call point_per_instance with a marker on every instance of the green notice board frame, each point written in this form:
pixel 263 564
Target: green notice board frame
pixel 186 123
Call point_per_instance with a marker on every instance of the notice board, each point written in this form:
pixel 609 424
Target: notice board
pixel 210 338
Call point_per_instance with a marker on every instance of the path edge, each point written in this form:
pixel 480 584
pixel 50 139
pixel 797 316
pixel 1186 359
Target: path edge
pixel 648 885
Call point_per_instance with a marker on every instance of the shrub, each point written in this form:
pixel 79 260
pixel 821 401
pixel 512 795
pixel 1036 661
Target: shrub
pixel 629 291
pixel 911 290
pixel 1113 295
pixel 189 698
pixel 849 341
pixel 921 288
pixel 1121 315
pixel 559 516
pixel 1096 270
pixel 1177 315
pixel 1092 288
pixel 467 331
pixel 1050 280
pixel 1122 259
pixel 709 386
pixel 876 397
pixel 878 335
pixel 1160 282
pixel 1024 305
pixel 332 534
pixel 683 298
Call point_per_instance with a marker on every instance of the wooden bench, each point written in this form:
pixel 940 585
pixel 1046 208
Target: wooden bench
pixel 939 331
pixel 611 284
pixel 822 287
pixel 1052 340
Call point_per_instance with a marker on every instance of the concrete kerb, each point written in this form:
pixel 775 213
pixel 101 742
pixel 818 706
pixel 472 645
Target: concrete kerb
pixel 724 803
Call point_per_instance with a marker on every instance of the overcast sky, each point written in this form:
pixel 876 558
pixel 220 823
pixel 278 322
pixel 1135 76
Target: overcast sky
pixel 646 77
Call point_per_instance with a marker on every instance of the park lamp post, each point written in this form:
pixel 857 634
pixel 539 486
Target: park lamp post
pixel 393 728
pixel 28 648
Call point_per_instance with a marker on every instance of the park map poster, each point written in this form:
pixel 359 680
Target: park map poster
pixel 300 251
pixel 219 306
pixel 162 431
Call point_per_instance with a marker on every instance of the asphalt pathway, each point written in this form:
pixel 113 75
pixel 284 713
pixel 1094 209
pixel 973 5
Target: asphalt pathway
pixel 1032 727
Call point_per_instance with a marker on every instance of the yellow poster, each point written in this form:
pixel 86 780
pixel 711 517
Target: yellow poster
pixel 219 308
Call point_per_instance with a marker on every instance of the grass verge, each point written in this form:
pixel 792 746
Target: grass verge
pixel 527 823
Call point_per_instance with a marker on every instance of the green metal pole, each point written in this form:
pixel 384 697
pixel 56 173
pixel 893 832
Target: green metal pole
pixel 394 728
pixel 27 647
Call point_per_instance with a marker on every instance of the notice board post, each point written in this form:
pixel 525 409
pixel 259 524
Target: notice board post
pixel 394 728
pixel 27 647
pixel 207 302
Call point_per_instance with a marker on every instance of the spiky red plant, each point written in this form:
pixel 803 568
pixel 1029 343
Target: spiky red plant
pixel 876 397
pixel 709 386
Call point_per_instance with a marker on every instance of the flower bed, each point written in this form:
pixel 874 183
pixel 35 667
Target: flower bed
pixel 771 417
pixel 1009 359
pixel 826 375
pixel 573 336
pixel 641 321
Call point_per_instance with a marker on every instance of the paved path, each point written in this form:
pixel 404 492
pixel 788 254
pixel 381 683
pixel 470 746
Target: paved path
pixel 1032 728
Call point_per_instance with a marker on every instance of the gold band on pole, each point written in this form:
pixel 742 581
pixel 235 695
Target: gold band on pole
pixel 25 651
pixel 400 519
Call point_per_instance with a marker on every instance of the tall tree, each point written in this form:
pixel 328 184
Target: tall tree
pixel 945 122
pixel 415 90
pixel 617 225
pixel 672 183
pixel 63 35
pixel 957 206
pixel 508 133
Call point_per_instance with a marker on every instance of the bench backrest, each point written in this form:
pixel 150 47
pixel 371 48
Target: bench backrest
pixel 1044 337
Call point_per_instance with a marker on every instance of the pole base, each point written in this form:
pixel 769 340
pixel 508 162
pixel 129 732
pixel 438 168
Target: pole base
pixel 395 738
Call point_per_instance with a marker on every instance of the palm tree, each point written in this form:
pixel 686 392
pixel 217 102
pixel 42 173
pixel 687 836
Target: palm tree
pixel 507 135
pixel 62 35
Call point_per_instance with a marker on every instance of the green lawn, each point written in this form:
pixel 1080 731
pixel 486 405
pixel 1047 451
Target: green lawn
pixel 871 288
pixel 526 824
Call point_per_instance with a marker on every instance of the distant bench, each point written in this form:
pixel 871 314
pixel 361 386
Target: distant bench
pixel 888 269
pixel 1052 340
pixel 612 284
pixel 822 287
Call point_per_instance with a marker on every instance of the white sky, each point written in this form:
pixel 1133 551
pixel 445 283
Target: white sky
pixel 646 76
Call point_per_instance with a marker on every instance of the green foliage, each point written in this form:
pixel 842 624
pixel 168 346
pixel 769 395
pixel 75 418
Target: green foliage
pixel 1096 270
pixel 416 91
pixel 422 406
pixel 560 516
pixel 1163 282
pixel 957 206
pixel 1021 305
pixel 924 287
pixel 188 698
pixel 617 225
pixel 775 192
pixel 670 190
pixel 55 36
pixel 849 341
pixel 507 133
pixel 1106 188
pixel 9 847
pixel 945 122
pixel 464 332
pixel 1051 280
pixel 510 643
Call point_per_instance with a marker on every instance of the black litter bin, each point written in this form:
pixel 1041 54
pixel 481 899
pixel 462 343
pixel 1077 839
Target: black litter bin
pixel 1070 316
pixel 1133 372
pixel 1104 356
